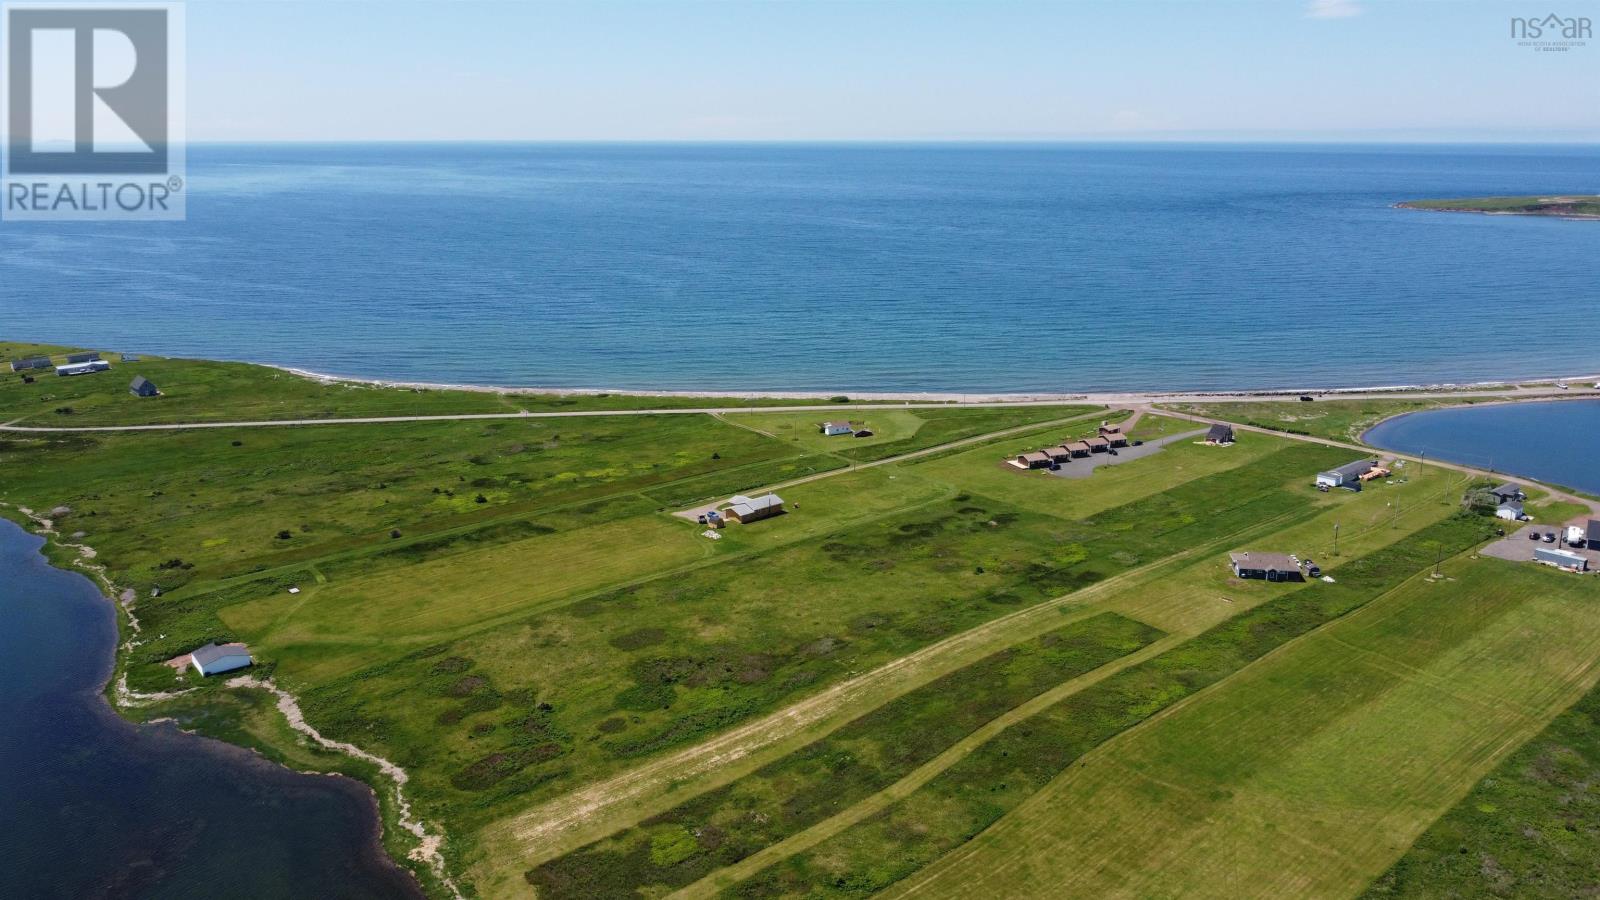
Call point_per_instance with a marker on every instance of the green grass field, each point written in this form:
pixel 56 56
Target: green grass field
pixel 1526 830
pixel 205 391
pixel 1550 205
pixel 1340 420
pixel 508 610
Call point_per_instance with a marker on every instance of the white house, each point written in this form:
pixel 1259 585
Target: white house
pixel 83 368
pixel 1510 510
pixel 214 658
pixel 835 428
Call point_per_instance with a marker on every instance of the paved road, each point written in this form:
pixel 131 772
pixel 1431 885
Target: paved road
pixel 1124 400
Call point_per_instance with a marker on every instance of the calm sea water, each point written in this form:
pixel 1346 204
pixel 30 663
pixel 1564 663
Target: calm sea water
pixel 997 268
pixel 91 806
pixel 1552 442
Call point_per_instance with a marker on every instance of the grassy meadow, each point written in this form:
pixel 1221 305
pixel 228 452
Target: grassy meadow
pixel 1340 420
pixel 206 391
pixel 509 610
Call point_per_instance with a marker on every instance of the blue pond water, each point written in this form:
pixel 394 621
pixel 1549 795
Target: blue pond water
pixel 940 267
pixel 93 807
pixel 1552 442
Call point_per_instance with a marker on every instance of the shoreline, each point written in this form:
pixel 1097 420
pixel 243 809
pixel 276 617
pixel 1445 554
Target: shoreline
pixel 955 397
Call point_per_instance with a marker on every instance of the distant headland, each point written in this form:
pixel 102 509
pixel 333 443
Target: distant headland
pixel 1569 206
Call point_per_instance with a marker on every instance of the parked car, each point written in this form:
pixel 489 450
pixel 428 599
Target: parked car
pixel 1312 569
pixel 1549 537
pixel 1533 535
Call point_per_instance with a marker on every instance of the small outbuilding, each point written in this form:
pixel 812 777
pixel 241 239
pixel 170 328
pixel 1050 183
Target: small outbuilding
pixel 1593 534
pixel 745 510
pixel 1079 448
pixel 142 387
pixel 1265 566
pixel 1511 511
pixel 836 428
pixel 1108 430
pixel 1561 559
pixel 1116 439
pixel 1220 434
pixel 214 658
pixel 1058 454
pixel 1098 444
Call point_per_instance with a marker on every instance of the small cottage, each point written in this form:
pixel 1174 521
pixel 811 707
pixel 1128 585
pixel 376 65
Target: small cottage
pixel 1220 434
pixel 1508 492
pixel 832 429
pixel 142 387
pixel 1098 444
pixel 1034 460
pixel 1511 511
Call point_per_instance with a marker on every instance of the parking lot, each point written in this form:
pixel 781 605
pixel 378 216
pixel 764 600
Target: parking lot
pixel 1518 547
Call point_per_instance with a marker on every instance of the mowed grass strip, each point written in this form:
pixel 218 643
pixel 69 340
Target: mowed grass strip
pixel 1304 774
pixel 1528 829
pixel 723 826
pixel 898 431
pixel 995 778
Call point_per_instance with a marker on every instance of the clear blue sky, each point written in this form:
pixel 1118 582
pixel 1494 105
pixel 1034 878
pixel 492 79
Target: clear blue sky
pixel 884 70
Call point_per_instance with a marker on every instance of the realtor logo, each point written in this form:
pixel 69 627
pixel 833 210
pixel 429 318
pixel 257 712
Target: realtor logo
pixel 93 112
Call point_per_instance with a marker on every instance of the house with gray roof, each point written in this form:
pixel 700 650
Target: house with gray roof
pixel 1508 492
pixel 31 362
pixel 1265 566
pixel 1220 434
pixel 214 658
pixel 81 357
pixel 142 387
pixel 745 510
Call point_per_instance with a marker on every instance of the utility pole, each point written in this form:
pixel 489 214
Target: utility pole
pixel 1336 539
pixel 1438 555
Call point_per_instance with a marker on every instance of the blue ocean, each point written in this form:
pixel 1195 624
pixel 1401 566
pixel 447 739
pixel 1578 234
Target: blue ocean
pixel 838 267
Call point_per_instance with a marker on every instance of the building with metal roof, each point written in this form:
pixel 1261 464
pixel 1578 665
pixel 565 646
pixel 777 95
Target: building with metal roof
pixel 744 509
pixel 142 387
pixel 214 658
